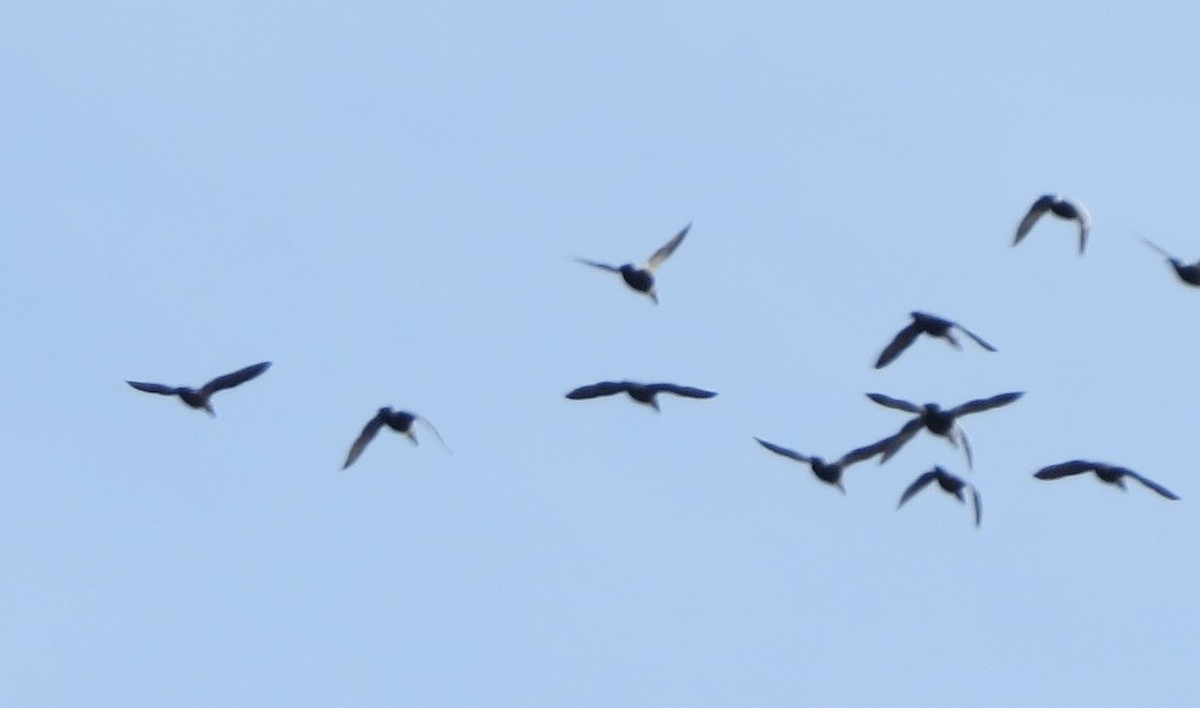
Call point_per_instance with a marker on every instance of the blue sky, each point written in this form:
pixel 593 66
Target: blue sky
pixel 385 202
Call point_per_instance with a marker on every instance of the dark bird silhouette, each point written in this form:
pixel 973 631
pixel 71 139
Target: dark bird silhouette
pixel 828 472
pixel 926 324
pixel 1187 272
pixel 641 278
pixel 1061 207
pixel 1107 473
pixel 199 397
pixel 642 393
pixel 949 484
pixel 400 421
pixel 937 420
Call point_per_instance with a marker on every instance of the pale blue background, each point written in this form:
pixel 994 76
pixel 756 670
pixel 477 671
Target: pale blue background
pixel 384 199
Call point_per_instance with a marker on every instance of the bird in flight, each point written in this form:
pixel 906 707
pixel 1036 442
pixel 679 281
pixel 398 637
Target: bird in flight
pixel 926 324
pixel 400 421
pixel 949 483
pixel 199 397
pixel 1107 473
pixel 938 420
pixel 1187 272
pixel 641 278
pixel 1061 207
pixel 640 392
pixel 828 472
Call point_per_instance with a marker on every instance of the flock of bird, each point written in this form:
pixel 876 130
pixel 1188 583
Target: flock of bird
pixel 929 416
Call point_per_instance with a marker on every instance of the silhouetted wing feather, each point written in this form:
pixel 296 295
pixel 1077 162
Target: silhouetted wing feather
pixel 978 505
pixel 983 404
pixel 663 253
pixel 783 451
pixel 865 452
pixel 962 435
pixel 1041 206
pixel 436 434
pixel 240 376
pixel 154 388
pixel 918 484
pixel 1158 248
pixel 893 444
pixel 1151 484
pixel 1065 469
pixel 604 388
pixel 898 344
pixel 688 391
pixel 368 433
pixel 976 337
pixel 898 404
pixel 594 264
pixel 1085 224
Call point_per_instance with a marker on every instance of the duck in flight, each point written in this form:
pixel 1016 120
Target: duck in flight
pixel 400 421
pixel 1107 473
pixel 949 484
pixel 1061 207
pixel 199 397
pixel 938 420
pixel 926 324
pixel 641 278
pixel 828 472
pixel 640 392
pixel 1187 272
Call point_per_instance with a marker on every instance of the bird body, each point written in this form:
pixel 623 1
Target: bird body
pixel 1110 474
pixel 200 397
pixel 641 278
pixel 640 392
pixel 938 420
pixel 932 325
pixel 400 421
pixel 949 483
pixel 1061 207
pixel 828 472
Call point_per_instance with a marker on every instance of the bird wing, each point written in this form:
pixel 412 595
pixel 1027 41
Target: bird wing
pixel 368 433
pixel 962 436
pixel 865 452
pixel 1085 224
pixel 154 388
pixel 595 264
pixel 1157 247
pixel 436 434
pixel 663 253
pixel 1151 484
pixel 604 388
pixel 1041 206
pixel 898 404
pixel 898 344
pixel 918 484
pixel 238 377
pixel 978 505
pixel 976 337
pixel 783 451
pixel 688 391
pixel 983 404
pixel 1065 469
pixel 893 444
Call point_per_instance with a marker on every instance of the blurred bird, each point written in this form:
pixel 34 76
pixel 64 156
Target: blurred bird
pixel 400 421
pixel 828 472
pixel 642 279
pixel 199 398
pixel 642 393
pixel 937 420
pixel 926 324
pixel 1188 273
pixel 1061 207
pixel 1107 473
pixel 948 482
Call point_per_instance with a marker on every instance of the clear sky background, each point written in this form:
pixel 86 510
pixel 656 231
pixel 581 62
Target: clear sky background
pixel 385 200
